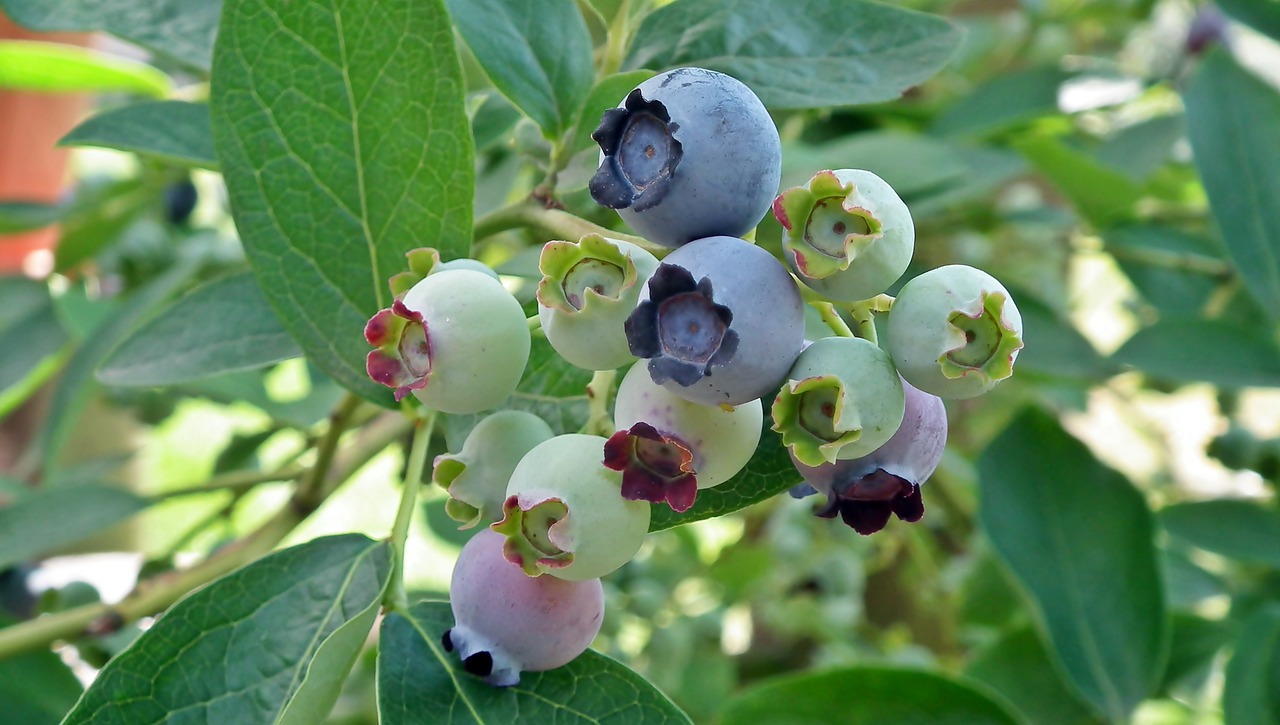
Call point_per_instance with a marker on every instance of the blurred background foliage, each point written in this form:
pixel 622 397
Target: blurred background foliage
pixel 1054 151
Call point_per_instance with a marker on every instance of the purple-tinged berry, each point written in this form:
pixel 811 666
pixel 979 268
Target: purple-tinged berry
pixel 565 515
pixel 457 340
pixel 720 322
pixel 865 491
pixel 954 332
pixel 507 622
pixel 476 477
pixel 843 399
pixel 847 233
pixel 587 291
pixel 690 153
pixel 668 448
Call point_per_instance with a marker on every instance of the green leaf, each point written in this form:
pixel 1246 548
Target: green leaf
pixel 1005 101
pixel 800 54
pixel 606 94
pixel 1215 351
pixel 1100 194
pixel 1079 538
pixel 33 341
pixel 767 474
pixel 1018 667
pixel 866 696
pixel 537 54
pixel 912 164
pixel 36 688
pixel 1193 646
pixel 174 131
pixel 418 683
pixel 1238 529
pixel 50 518
pixel 1261 15
pixel 1138 150
pixel 1231 115
pixel 248 387
pixel 77 384
pixel 98 216
pixel 271 642
pixel 180 29
pixel 30 65
pixel 1252 692
pixel 1057 347
pixel 492 116
pixel 1169 267
pixel 345 143
pixel 22 216
pixel 220 327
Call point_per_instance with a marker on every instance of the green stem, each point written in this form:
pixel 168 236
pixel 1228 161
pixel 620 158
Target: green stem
pixel 619 37
pixel 238 481
pixel 599 422
pixel 396 598
pixel 159 592
pixel 552 222
pixel 1177 261
pixel 534 322
pixel 833 318
pixel 863 314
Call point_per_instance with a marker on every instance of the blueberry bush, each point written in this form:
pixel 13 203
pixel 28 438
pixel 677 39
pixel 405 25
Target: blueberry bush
pixel 451 361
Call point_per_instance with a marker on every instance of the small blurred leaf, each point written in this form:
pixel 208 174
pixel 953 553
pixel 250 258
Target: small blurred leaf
pixel 1186 584
pixel 491 121
pixel 1214 351
pixel 989 168
pixel 767 474
pixel 1005 101
pixel 1238 529
pixel 50 518
pixel 1018 667
pixel 1262 15
pixel 1231 116
pixel 220 327
pixel 248 387
pixel 174 131
pixel 1140 149
pixel 99 215
pixel 1055 347
pixel 343 138
pixel 1252 692
pixel 21 216
pixel 1101 195
pixel 30 65
pixel 36 688
pixel 1168 266
pixel 912 164
pixel 1194 644
pixel 271 642
pixel 803 53
pixel 180 29
pixel 31 338
pixel 865 696
pixel 418 683
pixel 1079 538
pixel 606 94
pixel 537 54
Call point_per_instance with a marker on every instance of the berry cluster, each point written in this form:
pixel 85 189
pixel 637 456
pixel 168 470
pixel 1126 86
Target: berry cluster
pixel 692 160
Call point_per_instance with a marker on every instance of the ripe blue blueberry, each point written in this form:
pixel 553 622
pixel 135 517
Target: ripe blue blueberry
pixel 690 153
pixel 720 322
pixel 506 622
pixel 865 491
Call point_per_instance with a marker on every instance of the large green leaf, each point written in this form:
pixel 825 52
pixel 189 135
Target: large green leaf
pixel 56 68
pixel 1099 193
pixel 537 54
pixel 343 137
pixel 1215 351
pixel 30 337
pixel 802 53
pixel 174 131
pixel 1232 116
pixel 1238 529
pixel 1019 667
pixel 767 474
pixel 1252 692
pixel 50 518
pixel 866 696
pixel 1079 538
pixel 36 688
pixel 220 327
pixel 418 683
pixel 271 642
pixel 180 29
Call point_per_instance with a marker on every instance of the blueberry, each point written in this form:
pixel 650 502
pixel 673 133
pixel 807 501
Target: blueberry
pixel 506 622
pixel 690 153
pixel 476 477
pixel 866 491
pixel 179 201
pixel 720 322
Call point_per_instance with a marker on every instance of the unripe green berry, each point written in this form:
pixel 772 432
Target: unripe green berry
pixel 476 477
